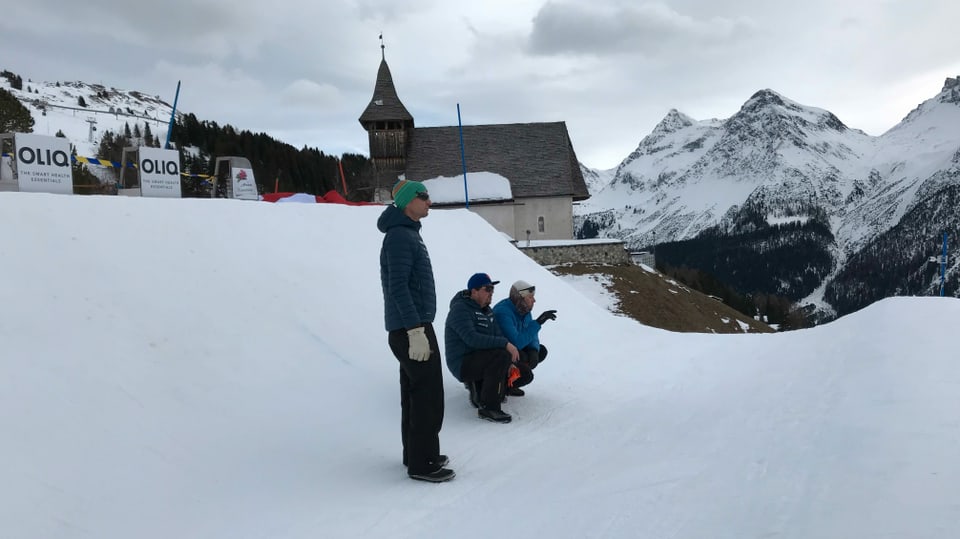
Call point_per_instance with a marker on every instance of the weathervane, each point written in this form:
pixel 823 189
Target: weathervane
pixel 383 54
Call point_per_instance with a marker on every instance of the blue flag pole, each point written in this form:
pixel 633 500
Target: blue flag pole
pixel 173 114
pixel 463 160
pixel 943 264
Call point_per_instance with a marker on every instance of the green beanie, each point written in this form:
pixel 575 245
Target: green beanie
pixel 405 190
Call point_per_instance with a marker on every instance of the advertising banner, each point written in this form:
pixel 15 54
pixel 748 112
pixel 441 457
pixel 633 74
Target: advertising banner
pixel 43 164
pixel 244 186
pixel 159 172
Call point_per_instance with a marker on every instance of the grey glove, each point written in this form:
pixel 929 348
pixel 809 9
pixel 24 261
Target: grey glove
pixel 546 315
pixel 419 345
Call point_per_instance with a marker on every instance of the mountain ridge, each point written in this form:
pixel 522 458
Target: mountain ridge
pixel 776 159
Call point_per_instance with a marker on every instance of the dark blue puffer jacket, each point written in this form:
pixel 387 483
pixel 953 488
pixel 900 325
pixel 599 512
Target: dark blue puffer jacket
pixel 469 328
pixel 409 297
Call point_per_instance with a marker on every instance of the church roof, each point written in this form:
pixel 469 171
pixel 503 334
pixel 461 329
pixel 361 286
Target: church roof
pixel 537 158
pixel 385 105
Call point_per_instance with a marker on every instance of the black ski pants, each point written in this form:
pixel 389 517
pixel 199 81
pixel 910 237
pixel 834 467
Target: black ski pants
pixel 489 367
pixel 421 402
pixel 529 359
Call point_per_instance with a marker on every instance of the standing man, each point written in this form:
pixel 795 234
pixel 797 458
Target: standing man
pixel 477 353
pixel 518 325
pixel 410 304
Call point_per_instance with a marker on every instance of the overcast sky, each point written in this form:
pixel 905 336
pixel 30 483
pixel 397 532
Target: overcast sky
pixel 303 71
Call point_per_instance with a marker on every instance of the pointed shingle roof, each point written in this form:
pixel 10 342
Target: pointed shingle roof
pixel 537 158
pixel 385 105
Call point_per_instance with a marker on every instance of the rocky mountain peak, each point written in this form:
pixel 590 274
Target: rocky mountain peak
pixel 763 98
pixel 770 110
pixel 951 91
pixel 673 121
pixel 950 94
pixel 776 113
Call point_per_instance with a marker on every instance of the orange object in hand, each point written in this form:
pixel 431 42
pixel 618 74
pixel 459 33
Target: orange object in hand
pixel 512 375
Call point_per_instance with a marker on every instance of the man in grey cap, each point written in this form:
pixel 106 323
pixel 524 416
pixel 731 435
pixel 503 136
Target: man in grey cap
pixel 520 328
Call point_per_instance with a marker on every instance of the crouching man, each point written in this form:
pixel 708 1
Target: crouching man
pixel 477 352
pixel 523 331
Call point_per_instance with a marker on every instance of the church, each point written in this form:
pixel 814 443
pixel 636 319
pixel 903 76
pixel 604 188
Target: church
pixel 526 177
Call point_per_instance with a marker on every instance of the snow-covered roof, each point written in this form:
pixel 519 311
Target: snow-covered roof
pixel 481 186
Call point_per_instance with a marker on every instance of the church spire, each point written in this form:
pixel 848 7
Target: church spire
pixel 389 126
pixel 385 105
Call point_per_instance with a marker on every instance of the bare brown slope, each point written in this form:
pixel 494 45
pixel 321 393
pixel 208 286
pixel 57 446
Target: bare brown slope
pixel 654 300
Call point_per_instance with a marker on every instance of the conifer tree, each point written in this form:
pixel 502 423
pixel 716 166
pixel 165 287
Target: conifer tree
pixel 106 145
pixel 14 117
pixel 84 182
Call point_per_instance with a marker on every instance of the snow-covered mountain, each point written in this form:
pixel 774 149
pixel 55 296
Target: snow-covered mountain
pixel 595 179
pixel 56 106
pixel 773 162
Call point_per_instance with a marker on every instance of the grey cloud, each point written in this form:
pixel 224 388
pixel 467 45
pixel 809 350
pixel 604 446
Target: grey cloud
pixel 568 28
pixel 390 10
pixel 136 21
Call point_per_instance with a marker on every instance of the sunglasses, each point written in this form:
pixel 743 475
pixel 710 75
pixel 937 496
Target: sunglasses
pixel 488 288
pixel 423 195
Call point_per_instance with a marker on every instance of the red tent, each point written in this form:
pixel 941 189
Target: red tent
pixel 292 197
pixel 331 196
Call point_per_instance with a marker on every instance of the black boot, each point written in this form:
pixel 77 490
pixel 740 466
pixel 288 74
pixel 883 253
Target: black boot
pixel 495 415
pixel 437 476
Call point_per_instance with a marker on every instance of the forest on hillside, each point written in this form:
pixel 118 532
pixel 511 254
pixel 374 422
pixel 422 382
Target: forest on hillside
pixel 788 260
pixel 753 266
pixel 897 262
pixel 277 166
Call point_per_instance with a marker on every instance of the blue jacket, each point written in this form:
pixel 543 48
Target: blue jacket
pixel 409 297
pixel 522 331
pixel 469 328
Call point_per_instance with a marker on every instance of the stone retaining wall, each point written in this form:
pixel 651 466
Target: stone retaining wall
pixel 588 253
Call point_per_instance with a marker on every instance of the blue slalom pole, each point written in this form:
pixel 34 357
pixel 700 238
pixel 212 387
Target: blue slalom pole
pixel 173 114
pixel 943 264
pixel 463 160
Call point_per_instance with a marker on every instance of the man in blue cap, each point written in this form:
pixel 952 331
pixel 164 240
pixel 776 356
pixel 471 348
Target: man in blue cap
pixel 410 304
pixel 477 352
